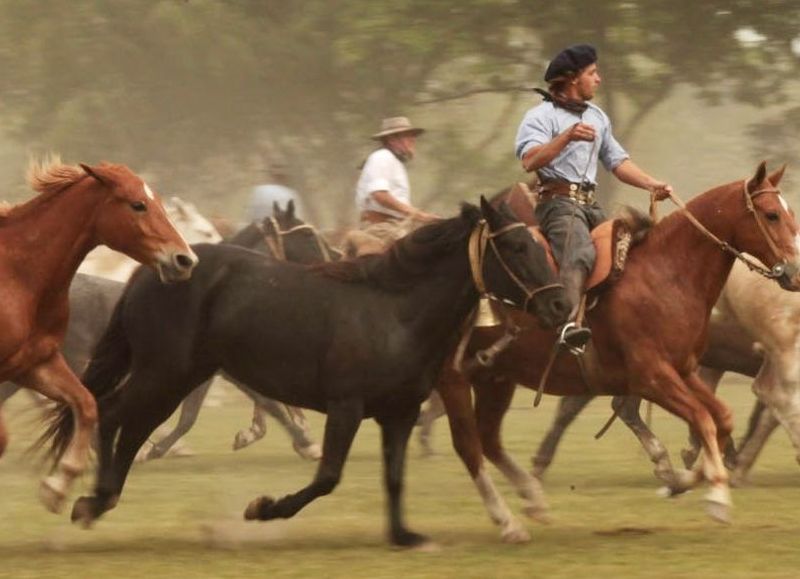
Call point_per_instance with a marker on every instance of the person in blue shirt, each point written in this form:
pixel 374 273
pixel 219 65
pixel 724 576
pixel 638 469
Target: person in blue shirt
pixel 562 140
pixel 275 189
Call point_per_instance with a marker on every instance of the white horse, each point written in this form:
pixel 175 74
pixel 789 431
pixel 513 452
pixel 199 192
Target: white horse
pixel 195 228
pixel 772 317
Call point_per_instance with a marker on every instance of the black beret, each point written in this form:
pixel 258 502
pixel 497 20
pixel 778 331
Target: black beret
pixel 570 59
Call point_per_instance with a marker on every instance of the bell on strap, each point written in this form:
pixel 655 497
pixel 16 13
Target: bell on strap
pixel 486 318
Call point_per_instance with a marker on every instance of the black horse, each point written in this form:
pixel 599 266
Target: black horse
pixel 354 339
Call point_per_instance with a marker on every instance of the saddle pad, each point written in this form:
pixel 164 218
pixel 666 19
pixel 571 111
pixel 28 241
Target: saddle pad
pixel 612 240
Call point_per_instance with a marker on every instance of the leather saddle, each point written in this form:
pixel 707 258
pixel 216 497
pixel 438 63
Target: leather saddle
pixel 612 239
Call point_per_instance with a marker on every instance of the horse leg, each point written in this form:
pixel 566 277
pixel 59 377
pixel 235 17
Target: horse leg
pixel 711 377
pixel 568 409
pixel 491 404
pixel 344 418
pixel 395 432
pixel 55 380
pixel 190 410
pixel 663 385
pixel 761 425
pixel 628 410
pixel 457 398
pixel 142 405
pixel 713 466
pixel 433 410
pixel 298 430
pixel 778 387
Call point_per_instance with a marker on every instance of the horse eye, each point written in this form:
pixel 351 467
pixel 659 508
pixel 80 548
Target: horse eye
pixel 772 216
pixel 139 206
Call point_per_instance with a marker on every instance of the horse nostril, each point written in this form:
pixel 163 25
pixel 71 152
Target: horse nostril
pixel 184 261
pixel 560 307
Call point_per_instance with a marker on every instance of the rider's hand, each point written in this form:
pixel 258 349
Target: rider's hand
pixel 581 132
pixel 660 190
pixel 424 216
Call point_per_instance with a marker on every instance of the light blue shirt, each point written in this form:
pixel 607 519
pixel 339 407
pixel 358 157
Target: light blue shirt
pixel 545 122
pixel 262 197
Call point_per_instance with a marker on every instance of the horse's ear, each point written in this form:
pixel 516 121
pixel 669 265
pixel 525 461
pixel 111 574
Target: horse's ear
pixel 776 177
pixel 290 209
pixel 276 210
pixel 758 178
pixel 97 173
pixel 492 216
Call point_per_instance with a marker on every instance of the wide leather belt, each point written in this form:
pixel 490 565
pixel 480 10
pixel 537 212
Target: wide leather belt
pixel 583 194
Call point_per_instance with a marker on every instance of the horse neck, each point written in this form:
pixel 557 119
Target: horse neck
pixel 442 298
pixel 50 235
pixel 688 255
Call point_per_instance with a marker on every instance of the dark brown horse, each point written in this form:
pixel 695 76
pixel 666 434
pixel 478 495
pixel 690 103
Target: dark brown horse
pixel 42 242
pixel 650 329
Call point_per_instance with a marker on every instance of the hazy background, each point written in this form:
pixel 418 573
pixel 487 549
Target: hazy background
pixel 199 95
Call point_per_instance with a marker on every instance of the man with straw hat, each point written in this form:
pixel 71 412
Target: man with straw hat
pixel 383 194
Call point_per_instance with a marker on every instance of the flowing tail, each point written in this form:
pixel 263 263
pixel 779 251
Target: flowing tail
pixel 110 363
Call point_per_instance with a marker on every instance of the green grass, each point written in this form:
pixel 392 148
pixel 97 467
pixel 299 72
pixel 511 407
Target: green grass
pixel 183 517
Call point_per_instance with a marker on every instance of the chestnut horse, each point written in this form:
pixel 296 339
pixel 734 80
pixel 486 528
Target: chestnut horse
pixel 649 329
pixel 42 242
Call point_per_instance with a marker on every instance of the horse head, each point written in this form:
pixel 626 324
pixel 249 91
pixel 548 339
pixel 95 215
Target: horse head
pixel 298 241
pixel 768 230
pixel 516 270
pixel 194 227
pixel 133 221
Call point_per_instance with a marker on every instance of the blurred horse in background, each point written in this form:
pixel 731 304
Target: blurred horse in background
pixel 42 242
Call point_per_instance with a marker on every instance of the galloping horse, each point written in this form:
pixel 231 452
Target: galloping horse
pixel 354 339
pixel 42 242
pixel 649 332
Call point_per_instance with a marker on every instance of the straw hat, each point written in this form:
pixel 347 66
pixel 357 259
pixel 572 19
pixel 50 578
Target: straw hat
pixel 395 125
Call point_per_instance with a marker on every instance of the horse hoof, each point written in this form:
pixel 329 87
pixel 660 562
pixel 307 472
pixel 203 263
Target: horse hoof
pixel 241 441
pixel 177 451
pixel 258 508
pixel 52 494
pixel 409 540
pixel 83 512
pixel 310 452
pixel 539 469
pixel 538 514
pixel 719 512
pixel 515 535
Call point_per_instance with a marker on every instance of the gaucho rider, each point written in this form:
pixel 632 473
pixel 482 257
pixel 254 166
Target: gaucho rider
pixel 561 139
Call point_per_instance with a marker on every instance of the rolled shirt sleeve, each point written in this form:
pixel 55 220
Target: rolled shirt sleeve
pixel 612 154
pixel 535 129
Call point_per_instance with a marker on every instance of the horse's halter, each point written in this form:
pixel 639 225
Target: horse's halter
pixel 481 237
pixel 274 239
pixel 778 269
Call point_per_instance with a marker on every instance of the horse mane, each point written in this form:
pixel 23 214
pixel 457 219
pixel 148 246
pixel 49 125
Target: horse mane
pixel 49 175
pixel 408 258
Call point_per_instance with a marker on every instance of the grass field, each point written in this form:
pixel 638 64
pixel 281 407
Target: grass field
pixel 183 517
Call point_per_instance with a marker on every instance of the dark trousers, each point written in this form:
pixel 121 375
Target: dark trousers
pixel 566 225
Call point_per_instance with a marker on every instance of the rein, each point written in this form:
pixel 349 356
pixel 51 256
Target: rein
pixel 480 237
pixel 752 265
pixel 275 240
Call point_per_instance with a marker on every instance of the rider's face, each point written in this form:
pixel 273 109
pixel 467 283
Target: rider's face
pixel 404 144
pixel 587 81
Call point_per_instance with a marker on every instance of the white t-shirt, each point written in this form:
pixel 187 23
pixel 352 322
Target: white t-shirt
pixel 382 172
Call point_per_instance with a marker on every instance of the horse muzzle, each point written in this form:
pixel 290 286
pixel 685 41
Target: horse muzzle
pixel 551 307
pixel 788 276
pixel 176 265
